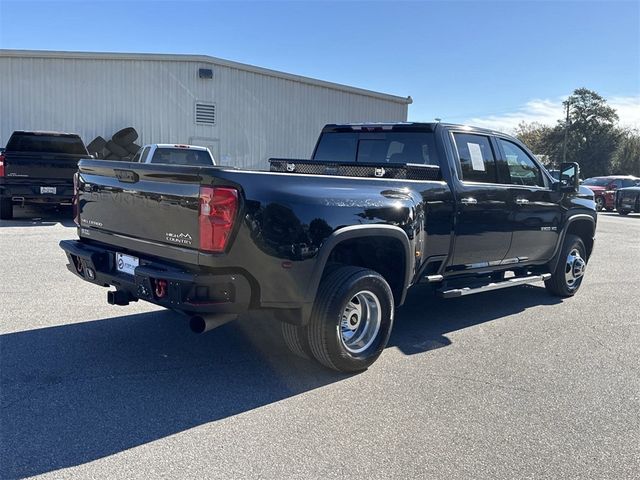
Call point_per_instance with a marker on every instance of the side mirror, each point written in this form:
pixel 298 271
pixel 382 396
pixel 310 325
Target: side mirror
pixel 569 177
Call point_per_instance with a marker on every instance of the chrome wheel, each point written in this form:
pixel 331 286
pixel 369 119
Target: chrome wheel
pixel 574 269
pixel 599 203
pixel 360 323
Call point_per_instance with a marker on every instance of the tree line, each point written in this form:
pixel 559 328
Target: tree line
pixel 591 136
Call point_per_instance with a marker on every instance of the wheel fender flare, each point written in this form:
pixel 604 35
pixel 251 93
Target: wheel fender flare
pixel 578 217
pixel 359 231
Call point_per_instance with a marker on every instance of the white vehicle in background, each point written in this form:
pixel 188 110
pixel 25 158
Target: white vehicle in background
pixel 174 154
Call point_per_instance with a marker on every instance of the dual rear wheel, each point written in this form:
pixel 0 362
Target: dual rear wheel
pixel 350 323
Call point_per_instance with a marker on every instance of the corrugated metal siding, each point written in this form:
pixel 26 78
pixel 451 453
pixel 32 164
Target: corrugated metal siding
pixel 257 116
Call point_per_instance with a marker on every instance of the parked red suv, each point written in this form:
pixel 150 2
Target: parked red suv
pixel 604 188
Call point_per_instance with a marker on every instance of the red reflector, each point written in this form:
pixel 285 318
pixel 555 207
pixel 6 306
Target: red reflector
pixel 1 165
pixel 218 209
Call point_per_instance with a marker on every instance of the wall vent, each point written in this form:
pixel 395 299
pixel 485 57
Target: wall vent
pixel 206 113
pixel 205 73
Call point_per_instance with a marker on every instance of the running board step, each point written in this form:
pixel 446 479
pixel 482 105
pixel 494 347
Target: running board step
pixel 512 282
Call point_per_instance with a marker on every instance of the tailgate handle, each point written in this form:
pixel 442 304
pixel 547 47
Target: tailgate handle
pixel 126 176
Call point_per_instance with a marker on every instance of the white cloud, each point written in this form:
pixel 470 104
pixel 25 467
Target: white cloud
pixel 628 109
pixel 548 112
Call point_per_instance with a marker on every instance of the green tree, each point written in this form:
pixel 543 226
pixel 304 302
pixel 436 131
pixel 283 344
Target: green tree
pixel 592 134
pixel 626 158
pixel 536 136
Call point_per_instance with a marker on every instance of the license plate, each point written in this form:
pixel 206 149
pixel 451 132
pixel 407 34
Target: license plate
pixel 126 263
pixel 48 190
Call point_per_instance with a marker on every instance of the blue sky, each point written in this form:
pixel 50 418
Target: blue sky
pixel 487 63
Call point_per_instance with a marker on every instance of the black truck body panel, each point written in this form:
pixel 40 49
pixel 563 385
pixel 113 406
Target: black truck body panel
pixel 276 225
pixel 290 224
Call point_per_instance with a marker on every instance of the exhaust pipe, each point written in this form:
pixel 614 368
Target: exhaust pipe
pixel 204 323
pixel 119 298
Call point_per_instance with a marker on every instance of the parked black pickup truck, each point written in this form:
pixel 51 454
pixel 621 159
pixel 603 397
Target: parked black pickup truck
pixel 38 167
pixel 331 245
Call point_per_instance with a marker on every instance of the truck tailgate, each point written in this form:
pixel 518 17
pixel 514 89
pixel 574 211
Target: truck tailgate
pixel 146 202
pixel 41 166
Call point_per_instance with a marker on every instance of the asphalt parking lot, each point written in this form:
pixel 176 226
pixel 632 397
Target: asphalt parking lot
pixel 508 384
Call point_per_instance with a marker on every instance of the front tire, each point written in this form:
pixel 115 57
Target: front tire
pixel 351 320
pixel 567 277
pixel 6 209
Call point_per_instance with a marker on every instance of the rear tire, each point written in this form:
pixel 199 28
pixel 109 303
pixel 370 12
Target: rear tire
pixel 96 145
pixel 623 212
pixel 6 209
pixel 125 136
pixel 351 320
pixel 116 149
pixel 569 273
pixel 133 148
pixel 296 339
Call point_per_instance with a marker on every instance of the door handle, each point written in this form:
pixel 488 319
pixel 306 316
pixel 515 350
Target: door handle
pixel 522 201
pixel 468 201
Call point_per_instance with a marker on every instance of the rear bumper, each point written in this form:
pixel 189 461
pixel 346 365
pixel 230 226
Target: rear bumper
pixel 29 190
pixel 187 291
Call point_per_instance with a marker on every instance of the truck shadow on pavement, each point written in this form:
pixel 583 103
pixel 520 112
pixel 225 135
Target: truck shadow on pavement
pixel 80 392
pixel 424 320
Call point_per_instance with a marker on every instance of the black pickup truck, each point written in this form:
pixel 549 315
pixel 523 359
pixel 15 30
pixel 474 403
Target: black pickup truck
pixel 330 245
pixel 38 167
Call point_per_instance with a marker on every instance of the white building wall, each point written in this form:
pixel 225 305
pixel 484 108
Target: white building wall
pixel 259 113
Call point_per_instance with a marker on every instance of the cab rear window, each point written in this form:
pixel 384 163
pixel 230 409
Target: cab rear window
pixel 377 147
pixel 46 143
pixel 181 156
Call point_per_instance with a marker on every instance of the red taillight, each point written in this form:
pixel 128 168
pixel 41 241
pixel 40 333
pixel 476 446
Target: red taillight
pixel 1 164
pixel 75 200
pixel 218 209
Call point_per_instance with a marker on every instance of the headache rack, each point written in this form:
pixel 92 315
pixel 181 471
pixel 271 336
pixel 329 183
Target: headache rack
pixel 406 171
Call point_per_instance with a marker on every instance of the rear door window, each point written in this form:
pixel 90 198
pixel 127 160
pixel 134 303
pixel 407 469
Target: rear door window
pixel 476 157
pixel 625 182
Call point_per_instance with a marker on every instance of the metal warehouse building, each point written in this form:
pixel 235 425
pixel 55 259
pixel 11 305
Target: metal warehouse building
pixel 244 114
